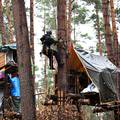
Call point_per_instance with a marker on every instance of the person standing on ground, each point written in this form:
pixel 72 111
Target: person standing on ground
pixel 15 91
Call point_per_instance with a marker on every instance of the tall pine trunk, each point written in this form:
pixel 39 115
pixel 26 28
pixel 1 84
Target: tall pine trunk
pixel 108 37
pixel 9 19
pixel 62 38
pixel 116 50
pixel 32 38
pixel 98 30
pixel 115 36
pixel 2 27
pixel 45 76
pixel 45 60
pixel 69 21
pixel 24 61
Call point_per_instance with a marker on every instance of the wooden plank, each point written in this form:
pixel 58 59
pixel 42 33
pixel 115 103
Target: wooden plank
pixel 2 59
pixel 106 108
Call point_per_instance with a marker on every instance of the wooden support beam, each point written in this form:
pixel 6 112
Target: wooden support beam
pixel 99 109
pixel 74 96
pixel 105 108
pixel 84 101
pixel 78 98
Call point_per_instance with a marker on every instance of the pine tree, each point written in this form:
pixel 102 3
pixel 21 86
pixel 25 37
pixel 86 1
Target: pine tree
pixel 108 37
pixel 9 20
pixel 32 37
pixel 62 37
pixel 115 35
pixel 97 6
pixel 2 27
pixel 24 61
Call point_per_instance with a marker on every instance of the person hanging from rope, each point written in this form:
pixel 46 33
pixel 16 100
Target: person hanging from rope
pixel 50 48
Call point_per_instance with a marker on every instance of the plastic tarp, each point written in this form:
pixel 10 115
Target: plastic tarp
pixel 103 73
pixel 8 47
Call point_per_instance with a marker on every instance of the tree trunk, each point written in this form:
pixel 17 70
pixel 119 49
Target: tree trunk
pixel 32 35
pixel 24 61
pixel 62 47
pixel 115 36
pixel 98 30
pixel 9 18
pixel 108 38
pixel 45 77
pixel 116 49
pixel 62 37
pixel 69 21
pixel 45 60
pixel 2 27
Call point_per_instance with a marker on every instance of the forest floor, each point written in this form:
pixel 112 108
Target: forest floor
pixel 70 112
pixel 59 113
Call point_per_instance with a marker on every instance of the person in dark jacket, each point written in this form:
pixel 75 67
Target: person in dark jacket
pixel 50 48
pixel 47 39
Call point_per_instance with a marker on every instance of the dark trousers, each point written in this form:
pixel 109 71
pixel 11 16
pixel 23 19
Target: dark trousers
pixel 16 103
pixel 50 53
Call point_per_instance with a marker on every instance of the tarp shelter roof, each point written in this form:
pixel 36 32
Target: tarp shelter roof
pixel 8 47
pixel 100 71
pixel 94 62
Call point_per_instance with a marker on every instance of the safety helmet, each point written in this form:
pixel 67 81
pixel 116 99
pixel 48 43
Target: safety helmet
pixel 49 32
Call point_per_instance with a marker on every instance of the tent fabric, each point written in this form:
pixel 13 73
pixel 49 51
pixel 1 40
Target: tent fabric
pixel 95 62
pixel 102 72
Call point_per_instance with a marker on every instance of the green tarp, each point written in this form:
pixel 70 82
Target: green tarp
pixel 104 74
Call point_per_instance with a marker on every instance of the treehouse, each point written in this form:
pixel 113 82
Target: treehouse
pixel 8 53
pixel 85 71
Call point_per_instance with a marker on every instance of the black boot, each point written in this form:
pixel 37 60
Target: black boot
pixel 51 65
